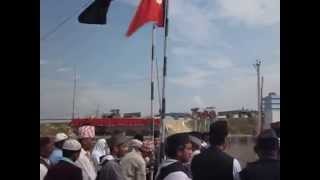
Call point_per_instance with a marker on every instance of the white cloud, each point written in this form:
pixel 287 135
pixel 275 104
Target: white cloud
pixel 190 23
pixel 56 98
pixel 191 78
pixel 250 12
pixel 197 100
pixel 222 63
pixel 43 62
pixel 64 69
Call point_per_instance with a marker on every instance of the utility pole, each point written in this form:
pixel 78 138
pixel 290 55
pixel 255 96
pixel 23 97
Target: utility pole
pixel 257 67
pixel 98 111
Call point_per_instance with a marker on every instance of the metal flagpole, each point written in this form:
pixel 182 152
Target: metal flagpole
pixel 163 109
pixel 74 92
pixel 152 90
pixel 152 82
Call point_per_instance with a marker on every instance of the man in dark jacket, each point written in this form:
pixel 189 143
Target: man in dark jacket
pixel 213 163
pixel 66 168
pixel 111 168
pixel 268 165
pixel 178 149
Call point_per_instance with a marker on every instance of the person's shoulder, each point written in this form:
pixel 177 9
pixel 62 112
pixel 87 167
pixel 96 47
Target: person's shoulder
pixel 228 156
pixel 64 164
pixel 132 156
pixel 202 155
pixel 110 164
pixel 177 175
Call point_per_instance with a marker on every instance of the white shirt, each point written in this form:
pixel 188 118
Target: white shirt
pixel 43 168
pixel 43 171
pixel 236 169
pixel 179 175
pixel 86 165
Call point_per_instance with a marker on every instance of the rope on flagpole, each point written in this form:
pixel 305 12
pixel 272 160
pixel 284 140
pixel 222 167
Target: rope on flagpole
pixel 49 33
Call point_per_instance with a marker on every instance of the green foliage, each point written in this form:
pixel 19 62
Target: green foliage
pixel 52 129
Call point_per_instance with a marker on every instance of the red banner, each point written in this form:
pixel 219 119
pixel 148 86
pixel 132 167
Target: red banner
pixel 114 122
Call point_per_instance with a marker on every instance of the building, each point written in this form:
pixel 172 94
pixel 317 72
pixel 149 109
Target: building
pixel 242 113
pixel 271 109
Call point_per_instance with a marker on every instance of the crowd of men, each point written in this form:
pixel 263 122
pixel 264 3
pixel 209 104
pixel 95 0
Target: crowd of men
pixel 187 156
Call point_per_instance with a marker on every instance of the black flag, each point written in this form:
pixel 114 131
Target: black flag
pixel 95 13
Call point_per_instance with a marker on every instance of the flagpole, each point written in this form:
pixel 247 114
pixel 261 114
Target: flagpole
pixel 152 82
pixel 163 109
pixel 152 88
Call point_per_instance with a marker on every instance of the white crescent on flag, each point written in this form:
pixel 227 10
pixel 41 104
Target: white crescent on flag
pixel 159 1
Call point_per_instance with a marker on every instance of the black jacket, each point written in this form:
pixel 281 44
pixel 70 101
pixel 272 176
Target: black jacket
pixel 267 169
pixel 212 164
pixel 64 171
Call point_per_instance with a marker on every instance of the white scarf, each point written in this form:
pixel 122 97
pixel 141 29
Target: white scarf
pixel 98 151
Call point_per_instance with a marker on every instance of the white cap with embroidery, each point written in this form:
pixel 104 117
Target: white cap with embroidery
pixel 72 145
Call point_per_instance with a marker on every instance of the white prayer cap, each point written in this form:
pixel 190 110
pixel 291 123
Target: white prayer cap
pixel 195 140
pixel 86 132
pixel 102 141
pixel 136 143
pixel 71 145
pixel 60 137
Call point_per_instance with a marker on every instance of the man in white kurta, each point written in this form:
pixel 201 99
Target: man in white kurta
pixel 86 135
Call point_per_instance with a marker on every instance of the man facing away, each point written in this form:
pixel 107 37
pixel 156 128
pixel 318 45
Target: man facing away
pixel 46 147
pixel 213 163
pixel 178 149
pixel 86 135
pixel 133 165
pixel 110 166
pixel 268 165
pixel 66 169
pixel 56 155
pixel 98 151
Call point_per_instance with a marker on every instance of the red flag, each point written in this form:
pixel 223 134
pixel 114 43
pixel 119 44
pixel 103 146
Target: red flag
pixel 148 10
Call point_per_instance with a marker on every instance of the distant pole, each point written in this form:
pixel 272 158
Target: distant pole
pixel 98 111
pixel 261 105
pixel 257 67
pixel 74 92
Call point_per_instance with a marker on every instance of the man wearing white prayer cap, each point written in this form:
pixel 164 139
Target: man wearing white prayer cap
pixel 133 165
pixel 86 135
pixel 56 154
pixel 66 169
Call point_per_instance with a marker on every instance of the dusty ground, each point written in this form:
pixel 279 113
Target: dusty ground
pixel 243 152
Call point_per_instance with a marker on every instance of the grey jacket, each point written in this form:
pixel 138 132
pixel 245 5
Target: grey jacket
pixel 133 166
pixel 111 170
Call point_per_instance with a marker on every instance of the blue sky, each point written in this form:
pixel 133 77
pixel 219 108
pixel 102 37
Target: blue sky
pixel 212 46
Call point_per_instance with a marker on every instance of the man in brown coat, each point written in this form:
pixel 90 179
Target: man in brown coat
pixel 66 168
